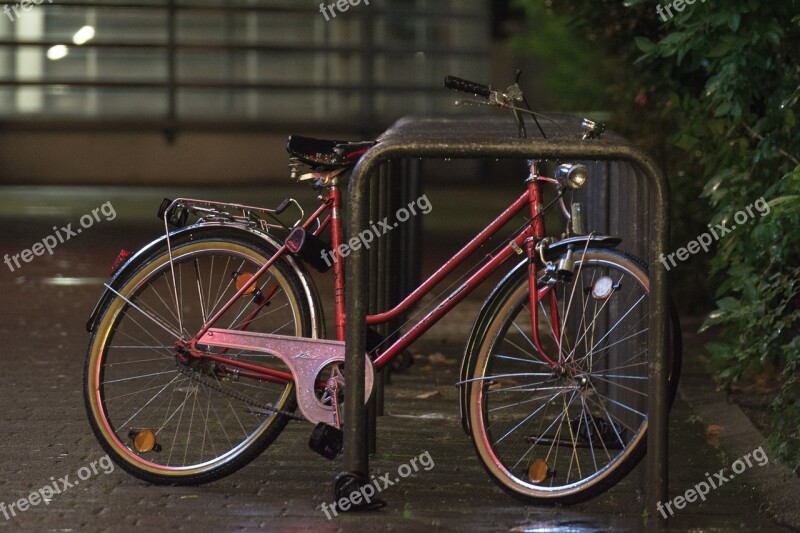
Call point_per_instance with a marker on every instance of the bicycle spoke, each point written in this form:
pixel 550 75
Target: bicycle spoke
pixel 553 434
pixel 198 414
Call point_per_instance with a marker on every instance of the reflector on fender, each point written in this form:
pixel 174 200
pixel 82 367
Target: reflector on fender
pixel 121 259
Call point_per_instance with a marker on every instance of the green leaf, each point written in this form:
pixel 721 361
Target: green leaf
pixel 720 49
pixel 773 37
pixel 783 199
pixel 723 109
pixel 672 38
pixel 728 304
pixel 789 118
pixel 644 44
pixel 736 111
pixel 686 142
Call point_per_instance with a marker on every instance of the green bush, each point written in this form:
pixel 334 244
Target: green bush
pixel 718 87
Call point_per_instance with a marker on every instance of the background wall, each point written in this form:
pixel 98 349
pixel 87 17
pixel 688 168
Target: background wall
pixel 198 91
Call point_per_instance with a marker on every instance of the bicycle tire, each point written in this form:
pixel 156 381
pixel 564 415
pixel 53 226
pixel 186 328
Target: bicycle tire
pixel 112 370
pixel 516 465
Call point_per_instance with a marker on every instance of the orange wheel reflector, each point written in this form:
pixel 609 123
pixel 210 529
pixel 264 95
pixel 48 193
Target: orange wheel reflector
pixel 538 471
pixel 241 281
pixel 144 441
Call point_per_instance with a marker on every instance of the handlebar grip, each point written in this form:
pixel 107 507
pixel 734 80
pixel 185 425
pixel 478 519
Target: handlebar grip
pixel 458 84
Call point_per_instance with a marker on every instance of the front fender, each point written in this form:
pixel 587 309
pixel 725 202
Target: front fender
pixel 496 299
pixel 579 242
pixel 270 242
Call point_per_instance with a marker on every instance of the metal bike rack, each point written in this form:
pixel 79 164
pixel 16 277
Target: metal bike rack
pixel 495 138
pixel 393 263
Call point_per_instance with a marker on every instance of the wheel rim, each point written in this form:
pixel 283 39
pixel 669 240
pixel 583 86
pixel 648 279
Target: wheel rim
pixel 551 436
pixel 204 416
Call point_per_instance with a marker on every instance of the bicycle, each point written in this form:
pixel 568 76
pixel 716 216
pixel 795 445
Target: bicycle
pixel 206 341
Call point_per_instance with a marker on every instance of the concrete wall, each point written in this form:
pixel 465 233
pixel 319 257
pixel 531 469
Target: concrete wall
pixel 124 158
pixel 102 155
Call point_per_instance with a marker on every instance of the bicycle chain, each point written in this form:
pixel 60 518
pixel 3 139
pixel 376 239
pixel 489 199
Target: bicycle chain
pixel 197 376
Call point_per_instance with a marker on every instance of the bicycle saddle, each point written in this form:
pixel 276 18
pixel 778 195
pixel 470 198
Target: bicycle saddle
pixel 327 153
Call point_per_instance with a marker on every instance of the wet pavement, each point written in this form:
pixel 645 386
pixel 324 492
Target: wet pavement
pixel 47 440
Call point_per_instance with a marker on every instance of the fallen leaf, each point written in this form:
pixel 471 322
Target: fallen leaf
pixel 428 395
pixel 503 383
pixel 440 358
pixel 713 431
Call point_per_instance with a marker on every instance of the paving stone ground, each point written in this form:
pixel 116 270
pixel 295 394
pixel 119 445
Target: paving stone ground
pixel 45 434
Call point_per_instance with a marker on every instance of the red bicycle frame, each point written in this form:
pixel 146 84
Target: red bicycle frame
pixel 523 242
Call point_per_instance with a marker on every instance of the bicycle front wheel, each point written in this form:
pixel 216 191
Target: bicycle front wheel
pixel 566 435
pixel 173 422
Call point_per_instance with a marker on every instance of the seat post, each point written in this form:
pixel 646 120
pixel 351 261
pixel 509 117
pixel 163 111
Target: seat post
pixel 339 246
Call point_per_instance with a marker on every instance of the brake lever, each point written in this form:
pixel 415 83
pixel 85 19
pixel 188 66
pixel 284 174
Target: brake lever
pixel 508 101
pixel 514 94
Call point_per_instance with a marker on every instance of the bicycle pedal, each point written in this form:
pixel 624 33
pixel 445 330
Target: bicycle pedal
pixel 326 440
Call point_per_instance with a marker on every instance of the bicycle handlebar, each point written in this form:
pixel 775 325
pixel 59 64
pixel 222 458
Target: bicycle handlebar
pixel 512 99
pixel 458 84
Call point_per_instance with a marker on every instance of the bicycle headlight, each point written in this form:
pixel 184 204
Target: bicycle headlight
pixel 572 176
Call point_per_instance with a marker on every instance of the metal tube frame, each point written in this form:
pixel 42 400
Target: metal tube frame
pixel 355 457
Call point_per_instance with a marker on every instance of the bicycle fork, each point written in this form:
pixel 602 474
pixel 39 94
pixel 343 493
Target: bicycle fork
pixel 534 295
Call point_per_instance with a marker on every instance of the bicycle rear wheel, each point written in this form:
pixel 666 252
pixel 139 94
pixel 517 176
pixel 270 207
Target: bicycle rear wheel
pixel 170 422
pixel 566 436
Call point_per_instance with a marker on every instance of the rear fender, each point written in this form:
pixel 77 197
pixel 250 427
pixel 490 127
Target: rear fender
pixel 270 241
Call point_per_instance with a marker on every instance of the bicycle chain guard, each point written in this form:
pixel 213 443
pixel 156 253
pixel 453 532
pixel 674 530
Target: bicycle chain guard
pixel 306 359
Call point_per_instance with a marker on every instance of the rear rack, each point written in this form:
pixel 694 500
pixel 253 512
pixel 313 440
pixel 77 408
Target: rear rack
pixel 176 213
